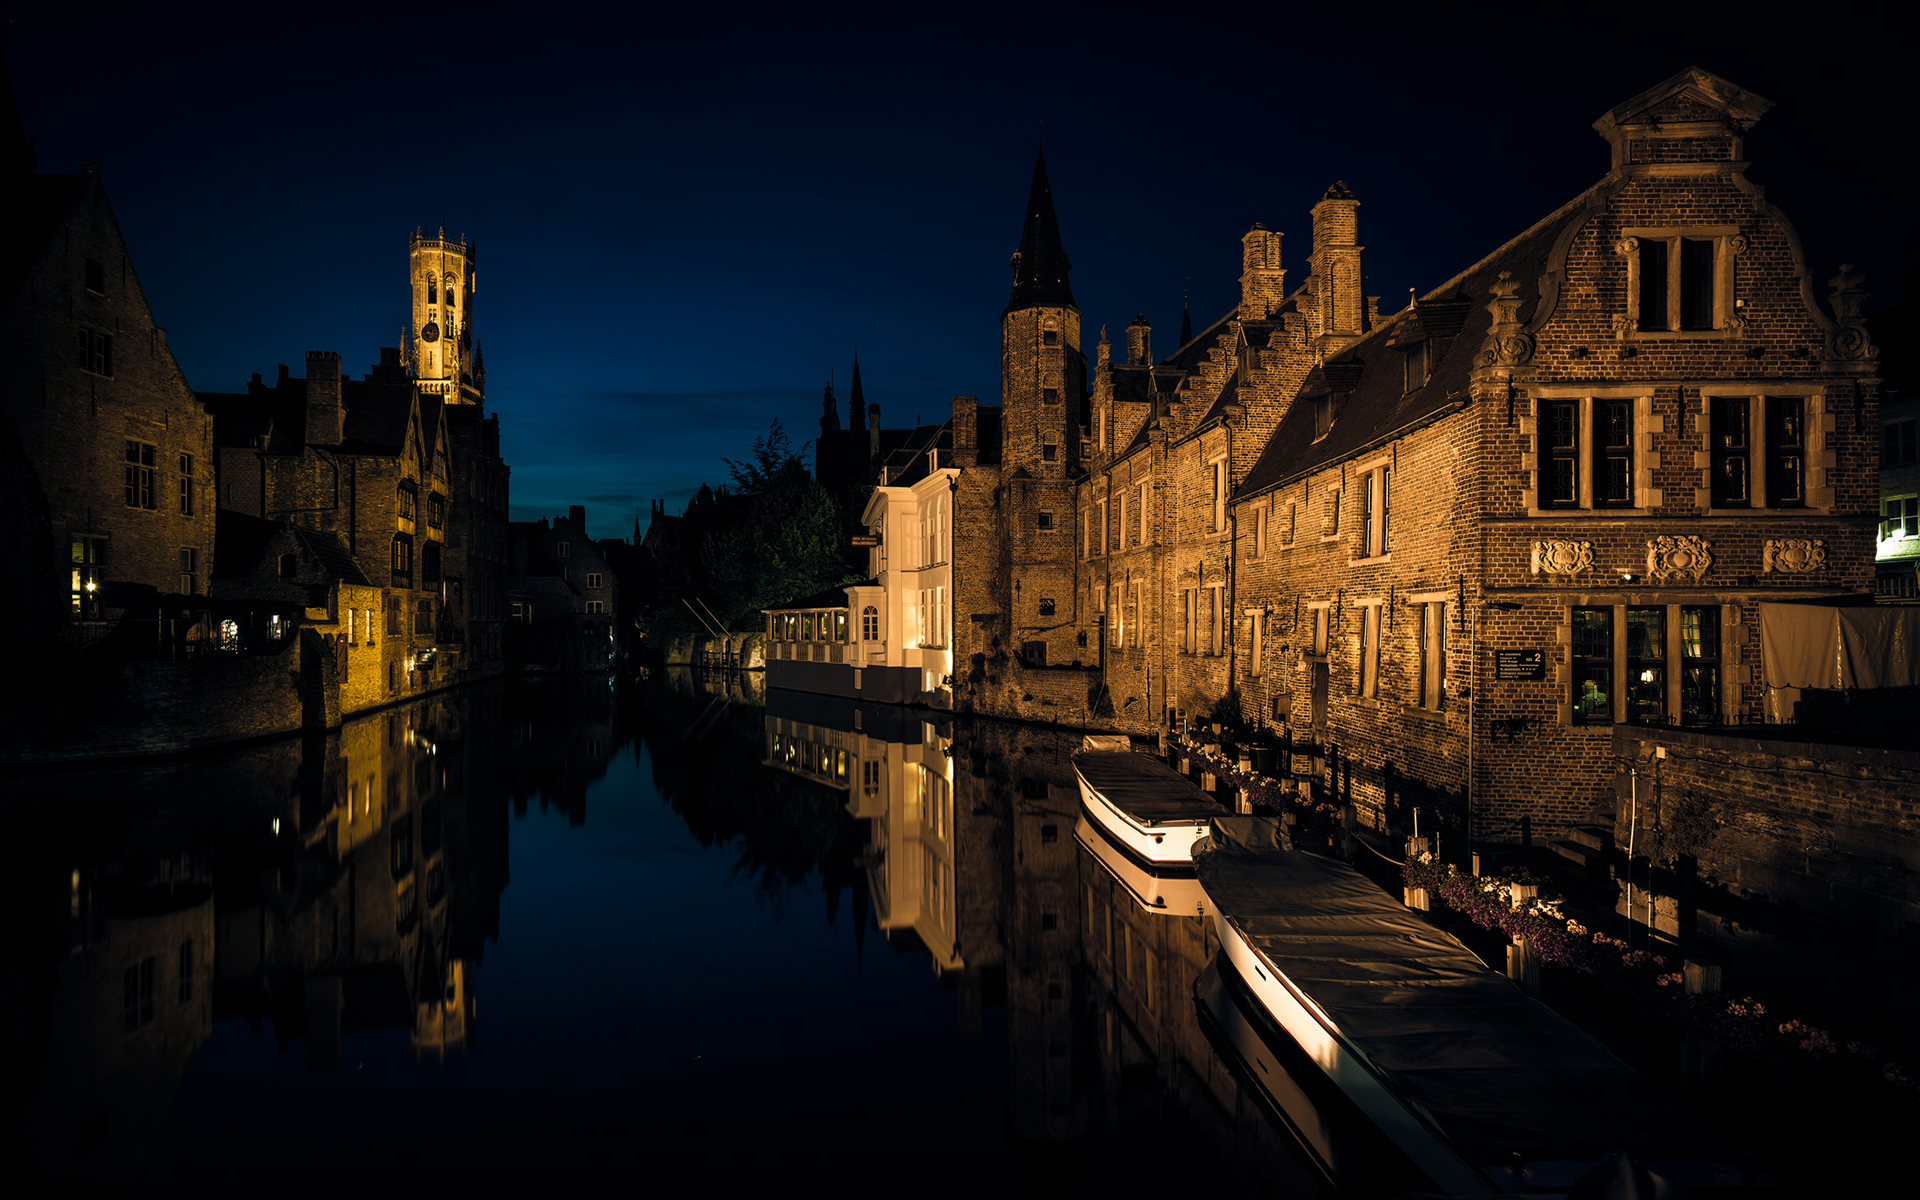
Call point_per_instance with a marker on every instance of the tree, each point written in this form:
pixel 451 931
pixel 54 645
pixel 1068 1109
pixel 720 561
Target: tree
pixel 771 454
pixel 786 546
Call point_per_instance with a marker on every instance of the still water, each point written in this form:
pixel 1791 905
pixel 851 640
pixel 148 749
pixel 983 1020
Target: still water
pixel 674 935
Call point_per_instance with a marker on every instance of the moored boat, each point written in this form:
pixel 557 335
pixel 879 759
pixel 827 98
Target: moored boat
pixel 1146 808
pixel 1170 892
pixel 1395 1029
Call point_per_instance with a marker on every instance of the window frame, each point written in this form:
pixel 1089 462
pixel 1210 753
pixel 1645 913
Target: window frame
pixel 1431 636
pixel 1908 518
pixel 1587 456
pixel 1367 670
pixel 1815 457
pixel 140 474
pixel 1639 325
pixel 1581 668
pixel 1375 542
pixel 185 463
pixel 1899 445
pixel 1217 480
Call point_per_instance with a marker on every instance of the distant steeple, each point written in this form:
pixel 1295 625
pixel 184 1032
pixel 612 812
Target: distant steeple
pixel 1041 265
pixel 829 412
pixel 856 399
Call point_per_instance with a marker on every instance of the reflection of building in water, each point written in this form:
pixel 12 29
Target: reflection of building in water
pixel 898 776
pixel 562 735
pixel 348 917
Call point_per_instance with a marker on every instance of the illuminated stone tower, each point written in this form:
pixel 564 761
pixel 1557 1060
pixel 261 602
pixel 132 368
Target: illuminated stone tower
pixel 441 350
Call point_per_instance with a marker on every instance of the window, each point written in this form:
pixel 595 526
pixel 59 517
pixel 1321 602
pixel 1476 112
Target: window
pixel 1256 640
pixel 1591 656
pixel 186 970
pixel 404 502
pixel 96 276
pixel 1368 681
pixel 1035 653
pixel 403 556
pixel 1100 540
pixel 1413 366
pixel 1050 337
pixel 1433 656
pixel 288 566
pixel 1728 459
pixel 1140 510
pixel 1560 453
pixel 436 511
pixel 1897 443
pixel 96 352
pixel 806 627
pixel 1288 529
pixel 353 638
pixel 1120 519
pixel 593 579
pixel 394 618
pixel 1043 520
pixel 1374 496
pixel 1133 615
pixel 1216 635
pixel 869 624
pixel 1322 416
pixel 1700 666
pixel 596 606
pixel 1260 532
pixel 1647 665
pixel 1049 395
pixel 423 617
pixel 840 626
pixel 137 989
pixel 1218 472
pixel 186 485
pixel 88 555
pixel 1613 454
pixel 1332 527
pixel 1902 517
pixel 189 557
pixel 1188 609
pixel 564 549
pixel 1046 606
pixel 1786 451
pixel 139 475
pixel 1674 280
pixel 440 463
pixel 519 615
pixel 1049 452
pixel 430 563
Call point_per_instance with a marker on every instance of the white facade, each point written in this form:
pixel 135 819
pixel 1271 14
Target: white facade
pixel 912 606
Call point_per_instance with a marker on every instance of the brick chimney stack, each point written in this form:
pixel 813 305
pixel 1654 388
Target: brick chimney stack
pixel 1140 342
pixel 1337 309
pixel 966 431
pixel 324 418
pixel 1263 284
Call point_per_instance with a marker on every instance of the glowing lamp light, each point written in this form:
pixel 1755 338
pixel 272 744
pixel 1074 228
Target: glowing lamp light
pixel 1646 677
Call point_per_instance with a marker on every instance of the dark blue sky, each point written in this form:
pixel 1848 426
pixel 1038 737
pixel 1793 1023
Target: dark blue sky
pixel 685 221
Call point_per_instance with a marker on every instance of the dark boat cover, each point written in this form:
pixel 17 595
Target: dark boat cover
pixel 1498 1071
pixel 1144 788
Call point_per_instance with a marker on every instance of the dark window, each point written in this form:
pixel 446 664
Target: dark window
pixel 405 502
pixel 1414 364
pixel 1613 453
pixel 1044 520
pixel 289 567
pixel 139 475
pixel 433 291
pixel 186 485
pixel 1731 453
pixel 430 827
pixel 96 276
pixel 1050 337
pixel 1046 606
pixel 1049 452
pixel 1048 923
pixel 1035 653
pixel 402 846
pixel 1786 454
pixel 137 989
pixel 403 557
pixel 1653 284
pixel 1322 416
pixel 430 563
pixel 436 511
pixel 88 554
pixel 1592 661
pixel 1696 283
pixel 1560 441
pixel 1647 665
pixel 423 617
pixel 1049 395
pixel 96 352
pixel 1700 666
pixel 189 573
pixel 1049 833
pixel 564 548
pixel 1897 443
pixel 393 617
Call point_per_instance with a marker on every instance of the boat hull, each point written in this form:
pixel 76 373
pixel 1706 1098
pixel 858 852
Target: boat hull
pixel 1160 844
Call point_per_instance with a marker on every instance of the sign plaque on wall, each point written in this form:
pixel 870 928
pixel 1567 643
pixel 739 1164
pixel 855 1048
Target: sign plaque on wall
pixel 1520 664
pixel 1303 764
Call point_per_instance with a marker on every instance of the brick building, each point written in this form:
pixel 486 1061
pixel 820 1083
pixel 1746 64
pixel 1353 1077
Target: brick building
pixel 1449 548
pixel 106 455
pixel 562 595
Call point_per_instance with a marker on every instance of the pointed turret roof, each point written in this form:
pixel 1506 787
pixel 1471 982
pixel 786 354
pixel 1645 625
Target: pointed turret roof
pixel 1040 266
pixel 856 398
pixel 1186 322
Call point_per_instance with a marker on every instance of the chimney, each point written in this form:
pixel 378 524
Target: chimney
pixel 577 517
pixel 1140 342
pixel 323 398
pixel 1263 285
pixel 966 431
pixel 1338 285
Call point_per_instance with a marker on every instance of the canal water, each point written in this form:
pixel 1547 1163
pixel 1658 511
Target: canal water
pixel 675 934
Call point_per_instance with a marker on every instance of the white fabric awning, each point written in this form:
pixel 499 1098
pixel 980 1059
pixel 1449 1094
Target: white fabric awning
pixel 1840 646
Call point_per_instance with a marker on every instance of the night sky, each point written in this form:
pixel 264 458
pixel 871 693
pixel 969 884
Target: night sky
pixel 685 222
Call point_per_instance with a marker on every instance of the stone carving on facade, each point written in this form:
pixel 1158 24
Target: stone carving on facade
pixel 1737 326
pixel 1670 557
pixel 1737 244
pixel 1562 556
pixel 1849 340
pixel 1793 556
pixel 1622 326
pixel 1508 344
pixel 1626 246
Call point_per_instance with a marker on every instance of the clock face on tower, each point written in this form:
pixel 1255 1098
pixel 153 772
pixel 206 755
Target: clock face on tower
pixel 431 333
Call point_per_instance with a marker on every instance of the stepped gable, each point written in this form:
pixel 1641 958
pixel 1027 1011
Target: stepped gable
pixel 376 416
pixel 1370 373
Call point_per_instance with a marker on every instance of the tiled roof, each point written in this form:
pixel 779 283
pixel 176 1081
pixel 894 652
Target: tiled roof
pixel 1040 266
pixel 376 416
pixel 1371 373
pixel 334 557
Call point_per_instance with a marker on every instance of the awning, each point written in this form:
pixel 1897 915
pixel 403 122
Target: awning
pixel 1840 646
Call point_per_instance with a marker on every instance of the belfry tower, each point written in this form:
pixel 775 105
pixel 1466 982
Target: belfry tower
pixel 441 351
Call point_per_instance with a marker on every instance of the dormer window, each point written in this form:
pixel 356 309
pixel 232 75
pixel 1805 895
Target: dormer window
pixel 1414 366
pixel 1322 416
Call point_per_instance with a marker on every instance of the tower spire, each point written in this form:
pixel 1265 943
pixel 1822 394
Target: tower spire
pixel 1040 265
pixel 856 398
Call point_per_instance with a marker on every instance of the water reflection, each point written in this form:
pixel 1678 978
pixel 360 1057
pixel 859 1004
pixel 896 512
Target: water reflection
pixel 315 897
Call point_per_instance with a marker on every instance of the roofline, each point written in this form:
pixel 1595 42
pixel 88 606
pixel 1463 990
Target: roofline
pixel 1458 405
pixel 1580 200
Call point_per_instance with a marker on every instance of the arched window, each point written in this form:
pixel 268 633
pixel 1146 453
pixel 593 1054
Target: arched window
pixel 433 290
pixel 870 624
pixel 289 566
pixel 453 290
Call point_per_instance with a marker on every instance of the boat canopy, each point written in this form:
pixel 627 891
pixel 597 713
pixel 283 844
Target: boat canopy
pixel 1143 787
pixel 1499 1072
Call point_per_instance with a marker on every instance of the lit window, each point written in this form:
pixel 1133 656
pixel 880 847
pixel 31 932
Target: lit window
pixel 1700 666
pixel 1647 665
pixel 1901 517
pixel 1592 661
pixel 88 555
pixel 869 624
